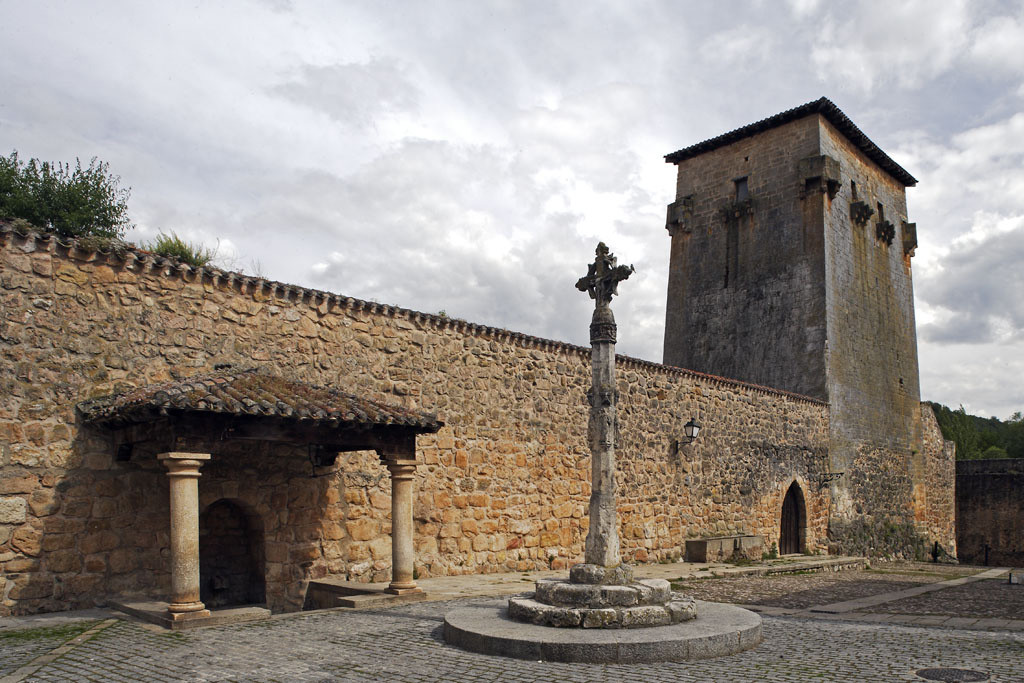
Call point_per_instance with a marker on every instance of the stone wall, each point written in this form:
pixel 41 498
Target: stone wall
pixel 503 486
pixel 990 511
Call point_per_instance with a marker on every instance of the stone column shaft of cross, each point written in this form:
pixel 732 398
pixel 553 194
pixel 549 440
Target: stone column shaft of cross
pixel 183 473
pixel 402 549
pixel 602 546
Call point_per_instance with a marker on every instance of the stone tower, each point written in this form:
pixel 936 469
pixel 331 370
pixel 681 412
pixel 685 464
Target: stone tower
pixel 790 268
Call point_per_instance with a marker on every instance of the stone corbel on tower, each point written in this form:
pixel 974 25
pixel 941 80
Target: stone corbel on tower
pixel 909 238
pixel 861 213
pixel 885 231
pixel 822 174
pixel 680 216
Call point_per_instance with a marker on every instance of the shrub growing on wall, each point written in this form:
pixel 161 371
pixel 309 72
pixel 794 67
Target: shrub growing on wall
pixel 172 246
pixel 72 201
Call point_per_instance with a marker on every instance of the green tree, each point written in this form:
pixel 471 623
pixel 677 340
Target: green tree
pixel 981 437
pixel 71 201
pixel 993 452
pixel 958 427
pixel 1014 441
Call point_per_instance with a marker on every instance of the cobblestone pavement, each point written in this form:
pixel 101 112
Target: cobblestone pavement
pixel 993 598
pixel 404 644
pixel 801 591
pixel 19 647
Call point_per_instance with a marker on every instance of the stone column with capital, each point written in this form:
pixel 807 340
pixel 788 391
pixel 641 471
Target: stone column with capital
pixel 183 472
pixel 601 282
pixel 402 548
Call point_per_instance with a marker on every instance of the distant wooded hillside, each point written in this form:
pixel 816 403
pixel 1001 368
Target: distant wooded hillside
pixel 981 437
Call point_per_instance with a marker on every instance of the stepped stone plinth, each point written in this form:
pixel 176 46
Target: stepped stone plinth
pixel 618 601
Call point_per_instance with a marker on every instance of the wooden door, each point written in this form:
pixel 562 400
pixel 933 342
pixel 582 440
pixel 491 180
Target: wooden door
pixel 789 534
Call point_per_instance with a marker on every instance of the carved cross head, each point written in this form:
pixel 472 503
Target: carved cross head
pixel 603 276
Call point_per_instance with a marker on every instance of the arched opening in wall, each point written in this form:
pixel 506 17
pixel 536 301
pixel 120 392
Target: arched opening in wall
pixel 794 521
pixel 230 556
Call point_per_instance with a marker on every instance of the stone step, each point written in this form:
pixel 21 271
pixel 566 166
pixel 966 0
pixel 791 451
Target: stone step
pixel 328 593
pixel 567 593
pixel 528 610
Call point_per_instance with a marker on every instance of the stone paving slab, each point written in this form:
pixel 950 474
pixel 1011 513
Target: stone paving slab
pixel 992 598
pixel 18 647
pixel 867 602
pixel 51 620
pixel 800 591
pixel 38 662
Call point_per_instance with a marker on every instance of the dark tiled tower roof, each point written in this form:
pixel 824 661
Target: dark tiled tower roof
pixel 822 106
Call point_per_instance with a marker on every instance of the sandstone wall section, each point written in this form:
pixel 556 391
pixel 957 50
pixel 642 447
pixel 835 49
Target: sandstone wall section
pixel 503 486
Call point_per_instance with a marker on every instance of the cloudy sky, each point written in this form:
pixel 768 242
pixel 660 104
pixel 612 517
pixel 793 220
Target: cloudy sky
pixel 467 156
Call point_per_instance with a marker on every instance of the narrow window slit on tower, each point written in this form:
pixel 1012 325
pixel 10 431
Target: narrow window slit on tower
pixel 853 190
pixel 742 193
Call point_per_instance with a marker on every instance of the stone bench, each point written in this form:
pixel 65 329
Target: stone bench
pixel 724 548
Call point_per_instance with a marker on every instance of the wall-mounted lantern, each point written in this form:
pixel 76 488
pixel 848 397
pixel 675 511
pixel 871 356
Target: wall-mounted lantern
pixel 826 476
pixel 691 429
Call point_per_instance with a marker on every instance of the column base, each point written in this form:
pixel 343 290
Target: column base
pixel 403 588
pixel 184 609
pixel 188 616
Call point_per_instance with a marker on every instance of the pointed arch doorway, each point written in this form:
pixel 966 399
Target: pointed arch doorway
pixel 794 521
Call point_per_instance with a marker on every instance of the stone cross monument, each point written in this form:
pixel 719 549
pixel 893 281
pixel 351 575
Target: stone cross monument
pixel 601 282
pixel 601 592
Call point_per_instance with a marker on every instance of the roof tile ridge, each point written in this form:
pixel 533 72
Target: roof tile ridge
pixel 673 369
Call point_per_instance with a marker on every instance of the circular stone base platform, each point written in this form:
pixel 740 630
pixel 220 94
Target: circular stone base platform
pixel 718 630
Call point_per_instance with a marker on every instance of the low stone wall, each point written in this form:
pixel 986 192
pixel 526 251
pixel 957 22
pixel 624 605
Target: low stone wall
pixel 990 511
pixel 503 486
pixel 725 548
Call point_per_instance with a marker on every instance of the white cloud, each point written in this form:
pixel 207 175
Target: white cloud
pixel 354 94
pixel 984 378
pixel 998 44
pixel 868 45
pixel 974 292
pixel 739 46
pixel 803 8
pixel 969 182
